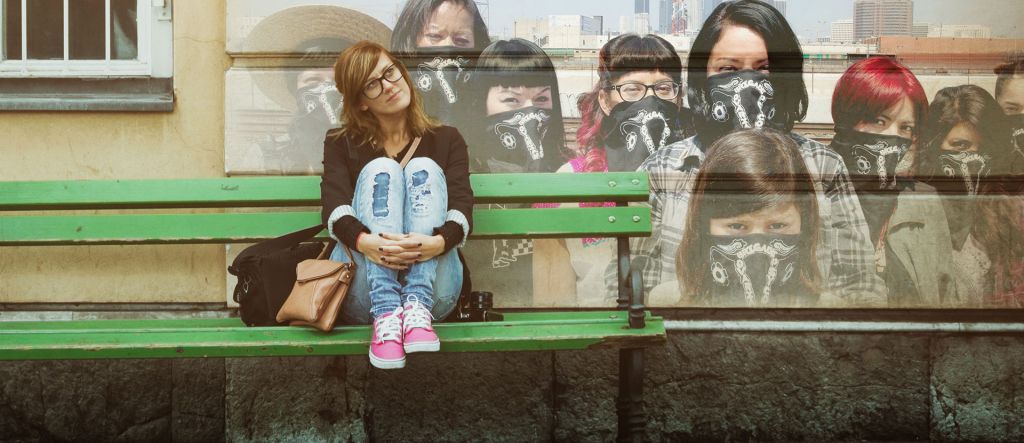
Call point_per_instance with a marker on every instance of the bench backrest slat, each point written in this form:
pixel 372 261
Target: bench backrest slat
pixel 248 227
pixel 299 191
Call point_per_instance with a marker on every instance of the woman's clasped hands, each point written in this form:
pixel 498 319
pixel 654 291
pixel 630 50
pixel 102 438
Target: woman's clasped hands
pixel 399 251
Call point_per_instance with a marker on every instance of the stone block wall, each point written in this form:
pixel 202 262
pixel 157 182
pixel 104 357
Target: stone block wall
pixel 699 387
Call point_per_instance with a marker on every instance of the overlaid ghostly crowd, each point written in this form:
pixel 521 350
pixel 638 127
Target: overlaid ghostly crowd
pixel 915 202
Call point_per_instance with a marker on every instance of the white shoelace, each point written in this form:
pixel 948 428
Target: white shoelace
pixel 390 327
pixel 416 316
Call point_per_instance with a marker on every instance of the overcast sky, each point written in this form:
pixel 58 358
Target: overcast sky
pixel 809 18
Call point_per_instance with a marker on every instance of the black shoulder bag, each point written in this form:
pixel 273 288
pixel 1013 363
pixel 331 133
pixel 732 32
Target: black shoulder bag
pixel 266 274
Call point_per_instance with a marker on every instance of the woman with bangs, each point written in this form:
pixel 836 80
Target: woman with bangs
pixel 523 131
pixel 634 109
pixel 753 226
pixel 517 128
pixel 745 71
pixel 879 108
pixel 965 155
pixel 395 191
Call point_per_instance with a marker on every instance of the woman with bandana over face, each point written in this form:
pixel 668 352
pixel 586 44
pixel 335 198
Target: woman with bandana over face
pixel 878 108
pixel 439 42
pixel 517 128
pixel 963 155
pixel 523 130
pixel 745 72
pixel 1010 95
pixel 396 192
pixel 634 109
pixel 636 106
pixel 752 230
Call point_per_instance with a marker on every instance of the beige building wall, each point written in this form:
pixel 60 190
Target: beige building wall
pixel 185 143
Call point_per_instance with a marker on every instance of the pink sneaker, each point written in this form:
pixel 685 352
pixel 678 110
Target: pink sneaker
pixel 386 350
pixel 418 334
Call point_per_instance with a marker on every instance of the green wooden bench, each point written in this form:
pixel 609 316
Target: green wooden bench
pixel 36 214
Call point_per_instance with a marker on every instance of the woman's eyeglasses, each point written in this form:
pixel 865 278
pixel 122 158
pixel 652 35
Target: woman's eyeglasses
pixel 635 91
pixel 375 87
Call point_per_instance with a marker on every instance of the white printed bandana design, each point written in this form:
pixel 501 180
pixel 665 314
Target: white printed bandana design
pixel 526 127
pixel 324 96
pixel 751 100
pixel 639 128
pixel 879 159
pixel 733 261
pixel 445 72
pixel 970 166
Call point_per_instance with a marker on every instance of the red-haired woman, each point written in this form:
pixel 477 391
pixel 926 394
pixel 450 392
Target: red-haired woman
pixel 402 224
pixel 879 108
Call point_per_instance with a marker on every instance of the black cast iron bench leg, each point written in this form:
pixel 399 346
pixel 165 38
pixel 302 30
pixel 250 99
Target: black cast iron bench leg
pixel 632 421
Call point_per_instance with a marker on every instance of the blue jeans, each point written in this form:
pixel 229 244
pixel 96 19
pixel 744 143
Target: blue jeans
pixel 388 199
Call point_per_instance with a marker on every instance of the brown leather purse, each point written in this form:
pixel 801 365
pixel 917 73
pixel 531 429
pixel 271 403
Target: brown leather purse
pixel 320 287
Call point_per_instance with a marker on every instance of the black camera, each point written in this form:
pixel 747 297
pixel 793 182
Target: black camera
pixel 478 307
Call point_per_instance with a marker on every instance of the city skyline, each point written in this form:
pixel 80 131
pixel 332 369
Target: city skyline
pixel 811 19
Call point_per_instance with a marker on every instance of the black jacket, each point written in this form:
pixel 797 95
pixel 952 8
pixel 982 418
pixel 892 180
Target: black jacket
pixel 343 160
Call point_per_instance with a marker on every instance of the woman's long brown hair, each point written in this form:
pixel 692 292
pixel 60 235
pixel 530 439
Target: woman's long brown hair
pixel 351 72
pixel 745 172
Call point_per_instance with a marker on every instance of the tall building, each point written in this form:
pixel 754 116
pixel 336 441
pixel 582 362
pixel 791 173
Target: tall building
pixel 665 16
pixel 641 6
pixel 875 18
pixel 693 15
pixel 626 24
pixel 841 31
pixel 642 23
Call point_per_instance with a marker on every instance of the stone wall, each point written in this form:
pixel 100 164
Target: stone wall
pixel 699 387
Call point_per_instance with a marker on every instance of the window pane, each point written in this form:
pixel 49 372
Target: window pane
pixel 85 30
pixel 12 29
pixel 45 25
pixel 124 35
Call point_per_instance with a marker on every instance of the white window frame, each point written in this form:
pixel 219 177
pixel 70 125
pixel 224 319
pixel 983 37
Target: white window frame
pixel 155 49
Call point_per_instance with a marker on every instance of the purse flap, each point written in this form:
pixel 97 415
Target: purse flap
pixel 313 269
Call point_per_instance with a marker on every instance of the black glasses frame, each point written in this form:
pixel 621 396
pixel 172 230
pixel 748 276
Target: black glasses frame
pixel 675 87
pixel 380 81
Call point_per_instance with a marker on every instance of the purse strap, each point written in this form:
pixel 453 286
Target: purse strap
pixel 412 150
pixel 283 242
pixel 330 247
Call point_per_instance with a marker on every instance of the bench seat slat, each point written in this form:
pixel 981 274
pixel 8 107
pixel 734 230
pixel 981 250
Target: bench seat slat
pixel 249 227
pixel 509 335
pixel 300 191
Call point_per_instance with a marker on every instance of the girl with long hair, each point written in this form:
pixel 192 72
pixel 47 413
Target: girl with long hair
pixel 964 155
pixel 745 71
pixel 879 108
pixel 401 224
pixel 752 230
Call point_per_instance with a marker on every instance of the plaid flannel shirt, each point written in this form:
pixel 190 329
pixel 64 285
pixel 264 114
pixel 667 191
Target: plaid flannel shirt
pixel 846 256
